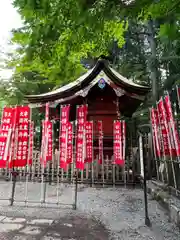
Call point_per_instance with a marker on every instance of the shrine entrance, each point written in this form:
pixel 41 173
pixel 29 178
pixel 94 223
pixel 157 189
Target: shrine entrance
pixel 103 141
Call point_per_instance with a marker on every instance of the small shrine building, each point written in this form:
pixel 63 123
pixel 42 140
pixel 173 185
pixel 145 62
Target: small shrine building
pixel 107 93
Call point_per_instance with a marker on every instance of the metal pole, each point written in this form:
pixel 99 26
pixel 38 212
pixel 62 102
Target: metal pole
pixel 12 158
pixel 76 190
pixel 147 220
pixel 27 170
pixel 44 193
pixel 144 175
pixel 14 173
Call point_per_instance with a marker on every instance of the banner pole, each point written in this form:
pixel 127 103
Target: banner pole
pixel 76 190
pixel 72 163
pixel 147 220
pixel 51 178
pixel 57 176
pixel 27 173
pixel 59 155
pixel 92 166
pixel 123 144
pixel 44 167
pixel 113 160
pixel 44 154
pixel 75 164
pixel 76 170
pixel 13 172
pixel 42 164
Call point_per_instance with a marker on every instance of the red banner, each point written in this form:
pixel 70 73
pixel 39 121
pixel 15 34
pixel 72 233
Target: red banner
pixel 164 127
pixel 118 143
pixel 80 142
pixel 31 143
pixel 7 124
pixel 173 133
pixel 44 143
pixel 3 145
pixel 42 160
pixel 100 136
pixel 50 141
pixel 63 137
pixel 155 133
pixel 47 142
pixel 70 143
pixel 123 141
pixel 89 141
pixel 13 140
pixel 21 135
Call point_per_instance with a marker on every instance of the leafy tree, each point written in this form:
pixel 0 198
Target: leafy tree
pixel 59 35
pixel 56 36
pixel 131 59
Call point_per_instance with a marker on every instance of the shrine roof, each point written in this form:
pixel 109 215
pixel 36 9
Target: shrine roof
pixel 84 81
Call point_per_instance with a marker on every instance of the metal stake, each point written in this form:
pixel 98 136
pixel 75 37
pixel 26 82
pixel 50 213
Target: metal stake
pixel 143 175
pixel 76 190
pixel 147 220
pixel 13 187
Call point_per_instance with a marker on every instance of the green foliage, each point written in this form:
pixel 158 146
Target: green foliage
pixel 132 58
pixel 55 37
pixel 58 34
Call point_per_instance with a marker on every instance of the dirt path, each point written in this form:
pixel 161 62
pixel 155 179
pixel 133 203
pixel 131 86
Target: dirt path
pixel 109 213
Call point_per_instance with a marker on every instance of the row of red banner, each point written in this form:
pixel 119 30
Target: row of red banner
pixel 165 135
pixel 16 137
pixel 17 130
pixel 84 139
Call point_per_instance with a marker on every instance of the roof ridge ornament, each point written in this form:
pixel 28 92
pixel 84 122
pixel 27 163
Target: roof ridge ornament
pixel 104 58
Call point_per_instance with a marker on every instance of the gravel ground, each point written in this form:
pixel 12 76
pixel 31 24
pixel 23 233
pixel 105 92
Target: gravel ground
pixel 117 211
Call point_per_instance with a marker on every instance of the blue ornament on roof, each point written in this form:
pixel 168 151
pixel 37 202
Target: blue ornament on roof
pixel 101 83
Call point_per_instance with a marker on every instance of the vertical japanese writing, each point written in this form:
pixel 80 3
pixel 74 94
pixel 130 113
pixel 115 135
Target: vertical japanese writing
pixel 81 119
pixel 22 137
pixel 100 136
pixel 118 143
pixel 89 141
pixel 6 141
pixel 63 137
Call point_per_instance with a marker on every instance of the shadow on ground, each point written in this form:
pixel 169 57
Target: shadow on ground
pixel 79 228
pixel 67 228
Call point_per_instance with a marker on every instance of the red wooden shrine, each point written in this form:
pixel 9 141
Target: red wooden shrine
pixel 108 94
